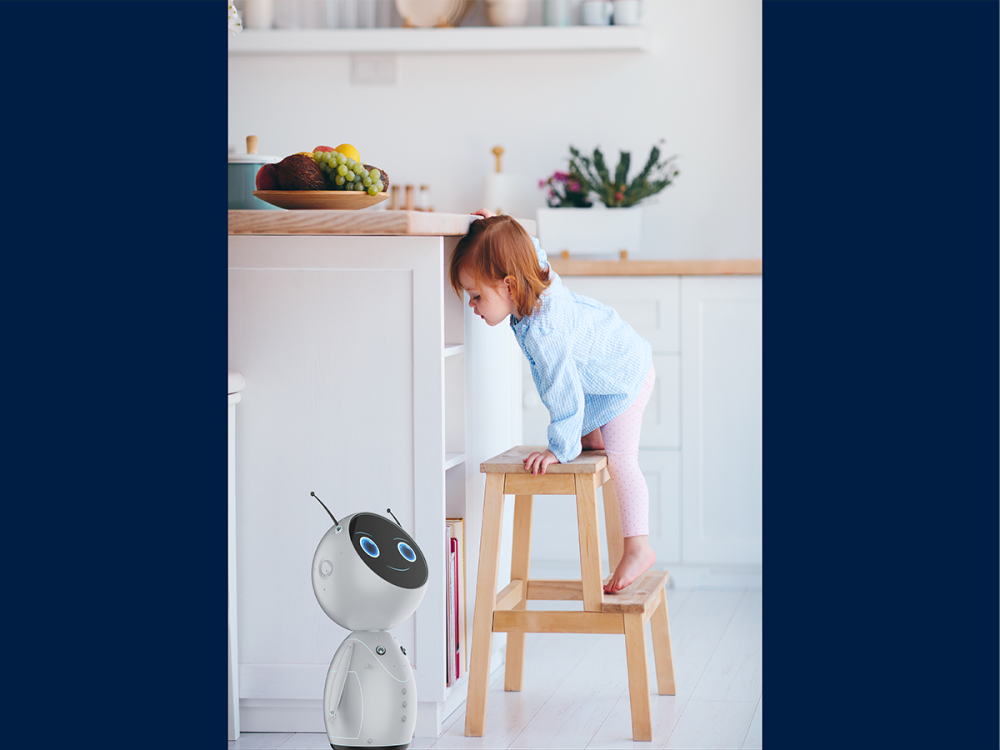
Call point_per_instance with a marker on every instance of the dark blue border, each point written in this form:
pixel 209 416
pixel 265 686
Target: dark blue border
pixel 115 302
pixel 881 360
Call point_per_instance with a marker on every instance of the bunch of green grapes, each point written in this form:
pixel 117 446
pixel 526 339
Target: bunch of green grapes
pixel 343 173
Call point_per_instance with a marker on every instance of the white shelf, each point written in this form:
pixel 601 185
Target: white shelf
pixel 431 41
pixel 450 350
pixel 453 459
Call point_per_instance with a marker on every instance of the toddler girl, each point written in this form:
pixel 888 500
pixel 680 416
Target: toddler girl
pixel 593 372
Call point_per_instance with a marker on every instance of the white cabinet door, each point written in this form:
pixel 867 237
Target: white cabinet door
pixel 721 418
pixel 662 470
pixel 661 420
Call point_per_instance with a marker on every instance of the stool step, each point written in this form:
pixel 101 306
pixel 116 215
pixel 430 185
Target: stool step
pixel 638 597
pixel 512 461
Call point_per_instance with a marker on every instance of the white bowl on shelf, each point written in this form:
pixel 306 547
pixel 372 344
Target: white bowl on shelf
pixel 507 12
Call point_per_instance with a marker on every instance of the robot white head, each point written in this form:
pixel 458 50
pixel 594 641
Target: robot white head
pixel 368 573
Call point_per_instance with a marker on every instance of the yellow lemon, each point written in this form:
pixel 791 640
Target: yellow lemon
pixel 349 151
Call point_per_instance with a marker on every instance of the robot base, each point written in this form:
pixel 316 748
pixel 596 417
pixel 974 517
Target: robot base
pixel 372 747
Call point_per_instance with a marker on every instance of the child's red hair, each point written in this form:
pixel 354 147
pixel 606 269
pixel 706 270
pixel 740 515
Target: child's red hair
pixel 496 250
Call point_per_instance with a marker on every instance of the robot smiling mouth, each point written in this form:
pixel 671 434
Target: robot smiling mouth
pixel 399 569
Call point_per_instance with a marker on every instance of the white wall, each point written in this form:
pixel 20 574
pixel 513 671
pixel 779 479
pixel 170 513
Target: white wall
pixel 700 88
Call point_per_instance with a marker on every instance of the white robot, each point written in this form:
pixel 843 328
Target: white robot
pixel 369 576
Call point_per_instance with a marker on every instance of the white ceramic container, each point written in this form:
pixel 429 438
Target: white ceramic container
pixel 589 231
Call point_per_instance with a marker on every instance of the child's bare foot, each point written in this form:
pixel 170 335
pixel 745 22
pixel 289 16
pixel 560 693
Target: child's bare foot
pixel 636 560
pixel 593 441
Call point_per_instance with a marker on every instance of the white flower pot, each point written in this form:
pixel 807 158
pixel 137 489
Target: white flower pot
pixel 589 231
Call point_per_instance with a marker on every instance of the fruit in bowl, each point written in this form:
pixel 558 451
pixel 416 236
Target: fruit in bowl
pixel 299 172
pixel 267 177
pixel 324 168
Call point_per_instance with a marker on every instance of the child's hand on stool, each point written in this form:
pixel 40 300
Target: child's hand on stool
pixel 536 462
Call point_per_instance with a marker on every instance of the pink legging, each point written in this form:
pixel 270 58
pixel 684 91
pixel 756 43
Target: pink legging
pixel 621 443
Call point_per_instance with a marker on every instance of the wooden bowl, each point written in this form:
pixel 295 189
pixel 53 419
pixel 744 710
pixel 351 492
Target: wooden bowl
pixel 321 199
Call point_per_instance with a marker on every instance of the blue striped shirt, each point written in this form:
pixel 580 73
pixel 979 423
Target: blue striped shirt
pixel 587 363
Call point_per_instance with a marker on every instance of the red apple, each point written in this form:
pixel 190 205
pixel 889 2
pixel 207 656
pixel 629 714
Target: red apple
pixel 322 148
pixel 267 177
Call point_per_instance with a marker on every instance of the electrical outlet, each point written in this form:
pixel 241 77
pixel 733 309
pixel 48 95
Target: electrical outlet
pixel 373 70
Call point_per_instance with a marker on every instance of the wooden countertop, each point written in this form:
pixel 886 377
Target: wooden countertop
pixel 424 223
pixel 366 221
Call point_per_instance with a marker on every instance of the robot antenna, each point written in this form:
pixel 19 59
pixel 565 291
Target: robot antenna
pixel 324 507
pixel 393 517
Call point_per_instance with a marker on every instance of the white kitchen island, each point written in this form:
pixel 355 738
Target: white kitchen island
pixel 369 383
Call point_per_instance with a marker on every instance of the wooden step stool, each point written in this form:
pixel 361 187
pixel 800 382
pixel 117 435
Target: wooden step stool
pixel 625 612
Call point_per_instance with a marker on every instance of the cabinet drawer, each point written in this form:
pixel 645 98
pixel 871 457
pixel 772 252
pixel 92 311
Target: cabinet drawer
pixel 651 305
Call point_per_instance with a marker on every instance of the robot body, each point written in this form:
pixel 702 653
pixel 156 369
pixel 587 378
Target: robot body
pixel 375 699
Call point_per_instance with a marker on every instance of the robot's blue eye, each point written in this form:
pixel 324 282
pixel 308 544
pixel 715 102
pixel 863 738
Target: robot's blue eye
pixel 407 552
pixel 370 548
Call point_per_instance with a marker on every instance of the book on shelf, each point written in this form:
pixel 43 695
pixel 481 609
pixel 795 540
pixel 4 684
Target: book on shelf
pixel 452 607
pixel 456 650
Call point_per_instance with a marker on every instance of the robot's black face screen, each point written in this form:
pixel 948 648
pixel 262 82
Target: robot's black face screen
pixel 388 550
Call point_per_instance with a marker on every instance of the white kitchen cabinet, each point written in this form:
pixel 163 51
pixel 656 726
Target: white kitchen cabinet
pixel 721 383
pixel 702 419
pixel 369 383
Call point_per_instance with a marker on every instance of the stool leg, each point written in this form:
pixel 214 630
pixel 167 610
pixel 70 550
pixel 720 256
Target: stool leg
pixel 590 545
pixel 638 677
pixel 662 653
pixel 519 563
pixel 486 598
pixel 612 525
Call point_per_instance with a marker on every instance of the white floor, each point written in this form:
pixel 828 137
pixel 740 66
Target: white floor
pixel 575 691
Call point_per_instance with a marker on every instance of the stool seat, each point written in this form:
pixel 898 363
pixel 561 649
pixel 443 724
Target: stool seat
pixel 512 462
pixel 624 613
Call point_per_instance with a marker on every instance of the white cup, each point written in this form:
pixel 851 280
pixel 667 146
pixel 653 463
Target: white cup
pixel 627 12
pixel 258 14
pixel 595 12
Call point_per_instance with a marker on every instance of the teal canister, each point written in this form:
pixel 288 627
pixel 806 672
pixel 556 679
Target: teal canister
pixel 243 176
pixel 556 13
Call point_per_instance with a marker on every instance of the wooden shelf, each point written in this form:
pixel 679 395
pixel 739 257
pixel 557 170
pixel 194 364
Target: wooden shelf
pixel 720 267
pixel 433 41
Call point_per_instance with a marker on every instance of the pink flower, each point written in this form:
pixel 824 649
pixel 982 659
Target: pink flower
pixel 542 183
pixel 575 187
pixel 619 196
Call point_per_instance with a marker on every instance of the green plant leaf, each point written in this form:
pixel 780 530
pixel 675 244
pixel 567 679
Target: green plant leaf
pixel 621 173
pixel 580 168
pixel 607 188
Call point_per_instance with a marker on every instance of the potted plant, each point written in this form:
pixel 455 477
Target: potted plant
pixel 569 223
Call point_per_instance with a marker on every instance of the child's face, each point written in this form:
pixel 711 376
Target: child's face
pixel 492 303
